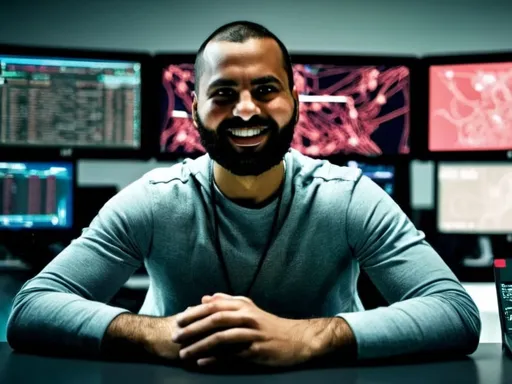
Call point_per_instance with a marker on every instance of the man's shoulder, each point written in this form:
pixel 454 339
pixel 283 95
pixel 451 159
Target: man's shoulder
pixel 180 172
pixel 167 174
pixel 311 169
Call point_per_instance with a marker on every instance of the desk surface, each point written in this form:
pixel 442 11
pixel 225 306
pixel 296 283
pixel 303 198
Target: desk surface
pixel 487 365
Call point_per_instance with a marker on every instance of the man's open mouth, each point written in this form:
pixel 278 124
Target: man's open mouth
pixel 247 137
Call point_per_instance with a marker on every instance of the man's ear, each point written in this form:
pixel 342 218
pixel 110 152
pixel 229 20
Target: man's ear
pixel 194 109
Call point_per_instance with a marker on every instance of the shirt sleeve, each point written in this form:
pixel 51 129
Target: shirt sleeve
pixel 63 307
pixel 429 309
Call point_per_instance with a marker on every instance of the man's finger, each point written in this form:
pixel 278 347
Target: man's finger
pixel 206 361
pixel 207 298
pixel 205 347
pixel 203 310
pixel 236 357
pixel 222 295
pixel 218 320
pixel 225 296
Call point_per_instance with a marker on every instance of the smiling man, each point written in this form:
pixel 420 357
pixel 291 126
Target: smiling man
pixel 253 250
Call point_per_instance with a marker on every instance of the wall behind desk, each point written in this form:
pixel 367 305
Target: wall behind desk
pixel 336 26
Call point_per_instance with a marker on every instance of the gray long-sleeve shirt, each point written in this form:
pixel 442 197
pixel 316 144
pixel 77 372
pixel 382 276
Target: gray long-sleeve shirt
pixel 333 221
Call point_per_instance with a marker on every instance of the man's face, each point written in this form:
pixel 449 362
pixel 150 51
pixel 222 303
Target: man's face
pixel 245 112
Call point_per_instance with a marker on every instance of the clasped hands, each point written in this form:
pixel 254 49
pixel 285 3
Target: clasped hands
pixel 225 327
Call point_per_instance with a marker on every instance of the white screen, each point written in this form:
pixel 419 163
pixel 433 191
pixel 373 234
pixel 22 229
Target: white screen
pixel 474 198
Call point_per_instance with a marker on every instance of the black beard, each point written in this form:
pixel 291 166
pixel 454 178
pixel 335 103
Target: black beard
pixel 248 163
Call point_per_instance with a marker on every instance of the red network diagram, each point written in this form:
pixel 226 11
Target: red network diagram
pixel 470 107
pixel 178 133
pixel 363 110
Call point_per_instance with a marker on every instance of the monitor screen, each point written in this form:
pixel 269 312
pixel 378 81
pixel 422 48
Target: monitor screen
pixel 503 280
pixel 474 198
pixel 69 102
pixel 36 195
pixel 363 110
pixel 383 175
pixel 469 107
pixel 360 110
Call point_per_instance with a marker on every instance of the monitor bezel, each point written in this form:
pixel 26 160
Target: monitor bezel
pixel 55 231
pixel 71 152
pixel 437 184
pixel 424 133
pixel 411 61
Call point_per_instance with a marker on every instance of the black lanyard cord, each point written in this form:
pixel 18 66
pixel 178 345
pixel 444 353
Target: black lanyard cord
pixel 217 239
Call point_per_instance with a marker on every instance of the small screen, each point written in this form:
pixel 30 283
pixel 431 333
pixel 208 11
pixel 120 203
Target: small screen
pixel 469 107
pixel 505 293
pixel 36 195
pixel 474 198
pixel 361 110
pixel 383 175
pixel 69 103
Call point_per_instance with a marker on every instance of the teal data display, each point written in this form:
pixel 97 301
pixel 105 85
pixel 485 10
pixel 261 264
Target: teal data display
pixel 69 103
pixel 36 195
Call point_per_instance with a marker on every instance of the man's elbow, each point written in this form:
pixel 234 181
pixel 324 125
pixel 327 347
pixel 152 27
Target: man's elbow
pixel 469 342
pixel 474 329
pixel 22 321
pixel 470 324
pixel 14 330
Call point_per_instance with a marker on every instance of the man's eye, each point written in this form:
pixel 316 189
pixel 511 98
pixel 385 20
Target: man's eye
pixel 224 93
pixel 265 89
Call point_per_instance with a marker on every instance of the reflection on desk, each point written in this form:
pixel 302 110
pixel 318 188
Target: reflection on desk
pixel 487 365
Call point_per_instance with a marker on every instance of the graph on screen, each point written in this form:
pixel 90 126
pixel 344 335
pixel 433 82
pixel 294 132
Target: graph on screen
pixel 475 198
pixel 470 107
pixel 343 110
pixel 36 195
pixel 69 103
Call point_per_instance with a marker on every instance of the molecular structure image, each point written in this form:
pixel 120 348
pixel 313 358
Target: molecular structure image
pixel 343 110
pixel 471 107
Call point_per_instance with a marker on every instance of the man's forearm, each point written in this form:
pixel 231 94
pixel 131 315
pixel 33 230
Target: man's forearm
pixel 136 336
pixel 333 339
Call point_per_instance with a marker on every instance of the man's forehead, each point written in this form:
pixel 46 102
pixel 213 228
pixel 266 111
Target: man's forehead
pixel 219 55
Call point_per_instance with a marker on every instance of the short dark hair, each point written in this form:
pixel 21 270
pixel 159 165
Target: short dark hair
pixel 240 32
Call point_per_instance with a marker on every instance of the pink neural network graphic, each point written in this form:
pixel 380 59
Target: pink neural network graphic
pixel 363 110
pixel 470 107
pixel 343 110
pixel 178 133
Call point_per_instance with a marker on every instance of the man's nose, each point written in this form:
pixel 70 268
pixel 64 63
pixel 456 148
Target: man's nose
pixel 246 108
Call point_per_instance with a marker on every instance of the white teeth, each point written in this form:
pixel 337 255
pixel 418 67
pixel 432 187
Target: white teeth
pixel 245 132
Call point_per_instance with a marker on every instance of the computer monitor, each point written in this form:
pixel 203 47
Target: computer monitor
pixel 474 198
pixel 352 105
pixel 469 106
pixel 36 195
pixel 177 136
pixel 69 102
pixel 349 106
